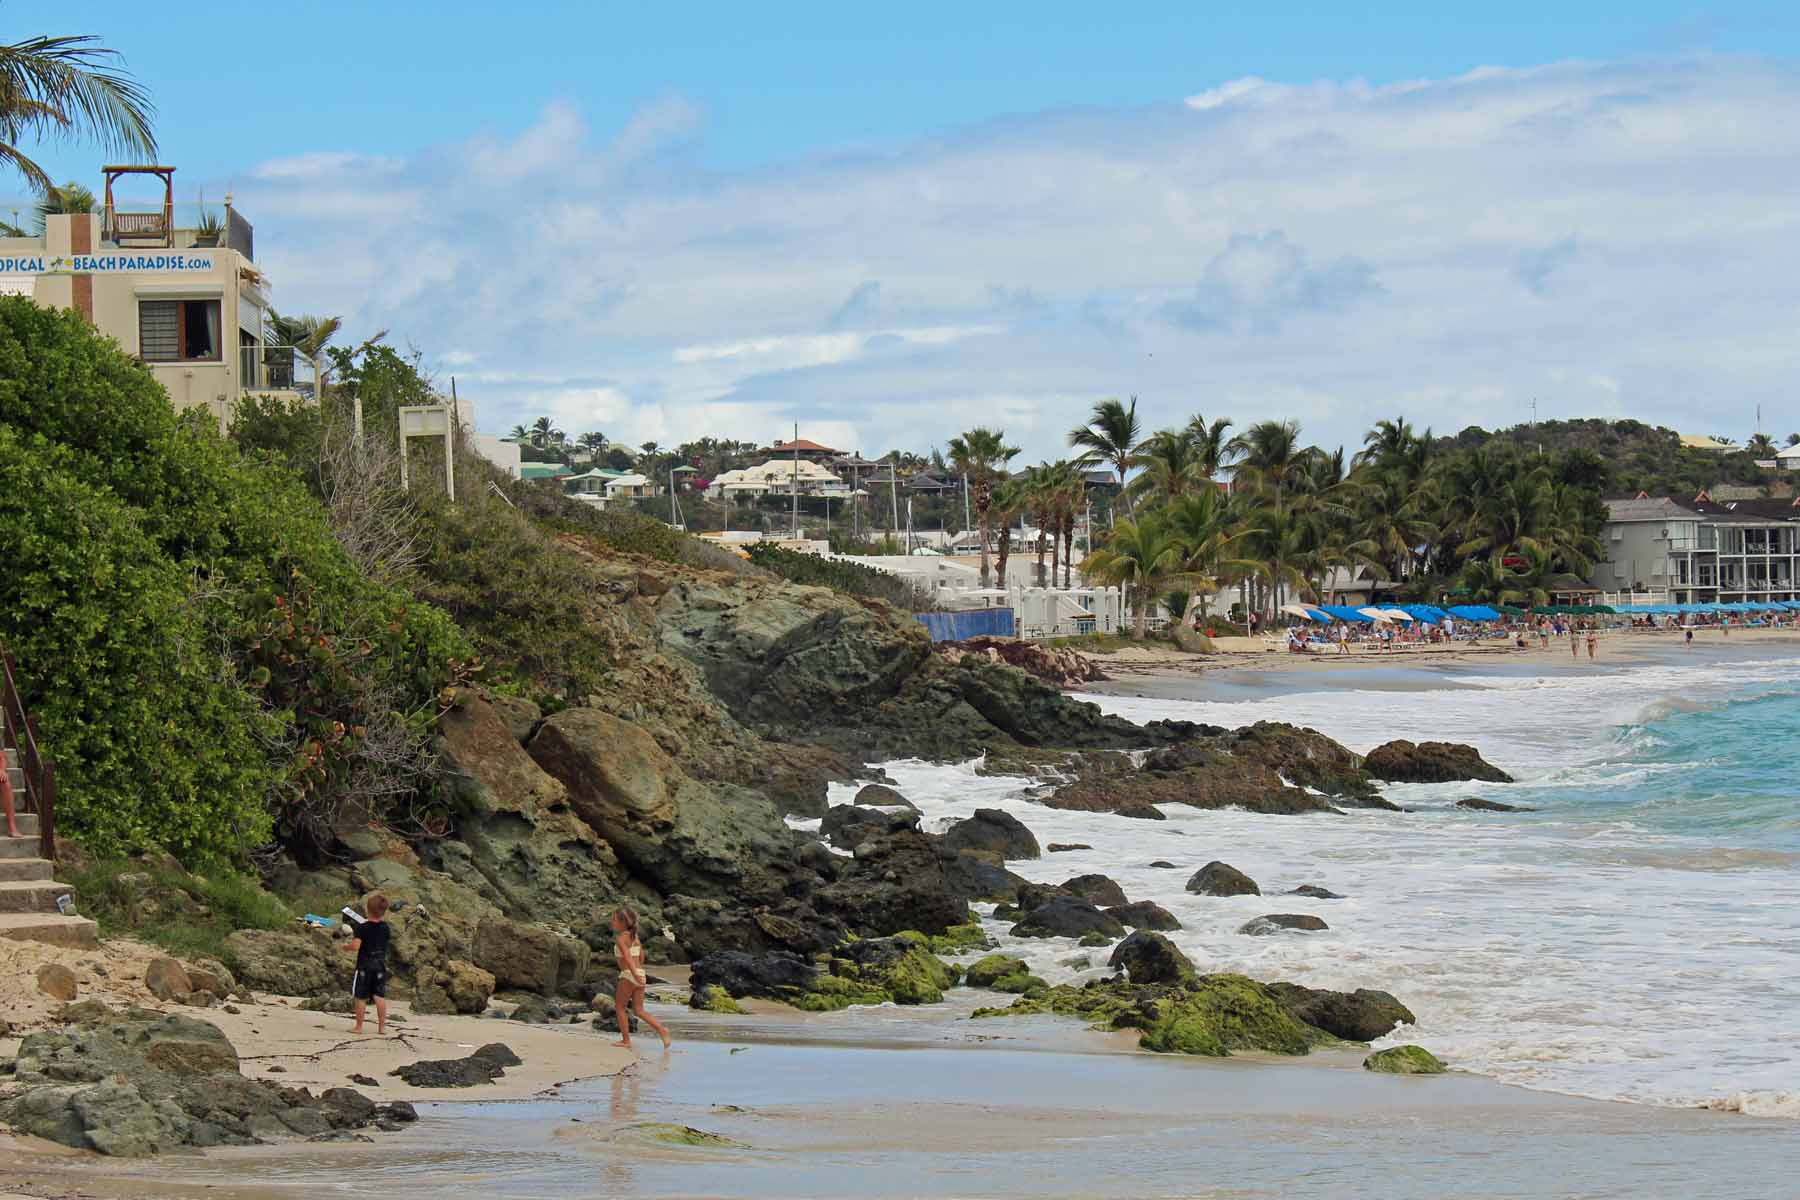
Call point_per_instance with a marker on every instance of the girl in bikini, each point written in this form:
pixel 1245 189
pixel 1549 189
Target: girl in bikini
pixel 629 999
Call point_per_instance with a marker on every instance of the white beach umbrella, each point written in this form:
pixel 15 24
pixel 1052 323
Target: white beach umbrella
pixel 1398 614
pixel 1375 614
pixel 1298 610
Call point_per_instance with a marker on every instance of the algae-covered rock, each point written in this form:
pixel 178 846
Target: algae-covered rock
pixel 1404 1060
pixel 714 999
pixel 959 939
pixel 1098 890
pixel 897 969
pixel 667 1134
pixel 1210 1015
pixel 984 972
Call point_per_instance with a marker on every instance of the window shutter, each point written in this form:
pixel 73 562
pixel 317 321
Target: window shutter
pixel 159 330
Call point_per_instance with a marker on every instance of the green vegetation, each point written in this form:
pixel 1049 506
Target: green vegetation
pixel 55 86
pixel 1489 523
pixel 1622 458
pixel 208 663
pixel 797 566
pixel 188 915
pixel 715 999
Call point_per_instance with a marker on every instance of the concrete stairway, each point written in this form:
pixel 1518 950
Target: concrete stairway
pixel 28 891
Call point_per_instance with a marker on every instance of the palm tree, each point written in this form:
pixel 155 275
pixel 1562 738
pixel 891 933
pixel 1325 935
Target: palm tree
pixel 1168 465
pixel 1271 456
pixel 308 335
pixel 543 432
pixel 68 86
pixel 1140 556
pixel 1010 498
pixel 593 443
pixel 1206 527
pixel 62 200
pixel 1760 445
pixel 519 433
pixel 1212 449
pixel 1110 436
pixel 981 455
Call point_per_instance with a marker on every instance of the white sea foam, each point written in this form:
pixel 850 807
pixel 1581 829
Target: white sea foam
pixel 1567 952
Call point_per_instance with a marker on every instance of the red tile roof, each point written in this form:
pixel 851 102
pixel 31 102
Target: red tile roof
pixel 803 445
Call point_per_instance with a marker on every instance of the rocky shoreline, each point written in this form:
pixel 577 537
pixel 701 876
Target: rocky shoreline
pixel 738 701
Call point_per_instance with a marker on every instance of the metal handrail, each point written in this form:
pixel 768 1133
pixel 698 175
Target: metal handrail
pixel 40 773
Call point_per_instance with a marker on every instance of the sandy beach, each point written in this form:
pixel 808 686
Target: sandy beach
pixel 894 1102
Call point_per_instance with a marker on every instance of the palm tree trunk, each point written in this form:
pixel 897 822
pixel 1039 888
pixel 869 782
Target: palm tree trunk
pixel 981 523
pixel 1143 611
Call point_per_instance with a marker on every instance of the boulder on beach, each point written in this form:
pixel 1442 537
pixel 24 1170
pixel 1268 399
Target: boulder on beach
pixel 977 879
pixel 1066 847
pixel 288 962
pixel 483 1066
pixel 984 972
pixel 896 882
pixel 775 975
pixel 1316 892
pixel 1401 761
pixel 1222 879
pixel 1404 1060
pixel 1096 889
pixel 57 982
pixel 1067 916
pixel 1359 1016
pixel 1148 957
pixel 1144 914
pixel 996 830
pixel 1273 923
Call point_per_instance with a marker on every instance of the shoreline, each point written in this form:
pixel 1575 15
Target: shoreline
pixel 1028 1107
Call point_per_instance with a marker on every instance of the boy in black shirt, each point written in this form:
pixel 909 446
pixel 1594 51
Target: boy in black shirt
pixel 370 980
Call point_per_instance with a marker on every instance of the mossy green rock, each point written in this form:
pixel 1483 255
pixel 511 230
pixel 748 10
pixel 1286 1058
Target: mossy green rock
pixel 878 971
pixel 960 939
pixel 714 999
pixel 984 972
pixel 1020 983
pixel 1096 938
pixel 669 1134
pixel 1210 1015
pixel 1404 1060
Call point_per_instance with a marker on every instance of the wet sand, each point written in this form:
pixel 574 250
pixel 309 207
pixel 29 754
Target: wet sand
pixel 891 1102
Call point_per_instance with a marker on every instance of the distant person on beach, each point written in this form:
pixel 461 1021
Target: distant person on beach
pixel 1688 631
pixel 6 799
pixel 629 999
pixel 1593 640
pixel 1574 641
pixel 1544 633
pixel 370 945
pixel 1343 639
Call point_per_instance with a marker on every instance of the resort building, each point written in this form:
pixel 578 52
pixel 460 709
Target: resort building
pixel 1700 551
pixel 805 451
pixel 777 477
pixel 189 303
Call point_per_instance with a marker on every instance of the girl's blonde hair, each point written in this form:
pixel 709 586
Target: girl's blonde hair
pixel 627 916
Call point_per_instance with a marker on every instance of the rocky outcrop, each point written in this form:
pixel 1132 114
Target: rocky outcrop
pixel 455 987
pixel 896 882
pixel 988 971
pixel 529 957
pixel 520 841
pixel 775 975
pixel 1067 917
pixel 848 825
pixel 1148 957
pixel 1431 762
pixel 1144 914
pixel 1359 1016
pixel 1057 666
pixel 1222 879
pixel 137 1083
pixel 895 970
pixel 1273 923
pixel 1267 768
pixel 880 795
pixel 288 962
pixel 994 830
pixel 1316 892
pixel 977 878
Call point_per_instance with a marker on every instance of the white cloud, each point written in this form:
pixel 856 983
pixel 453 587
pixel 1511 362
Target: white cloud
pixel 1606 237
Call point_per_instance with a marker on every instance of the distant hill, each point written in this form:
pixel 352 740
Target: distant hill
pixel 1633 456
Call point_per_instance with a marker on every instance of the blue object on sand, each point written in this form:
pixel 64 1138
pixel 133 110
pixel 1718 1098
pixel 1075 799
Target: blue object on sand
pixel 321 922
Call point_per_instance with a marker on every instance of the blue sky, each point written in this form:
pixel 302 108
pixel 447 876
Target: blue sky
pixel 666 220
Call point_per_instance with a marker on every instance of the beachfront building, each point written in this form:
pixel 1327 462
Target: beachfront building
pixel 187 302
pixel 805 451
pixel 1700 551
pixel 777 477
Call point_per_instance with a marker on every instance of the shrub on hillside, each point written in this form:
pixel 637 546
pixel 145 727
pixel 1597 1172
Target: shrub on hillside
pixel 151 574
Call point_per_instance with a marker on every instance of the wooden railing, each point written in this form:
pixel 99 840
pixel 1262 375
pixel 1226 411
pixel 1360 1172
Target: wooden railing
pixel 40 773
pixel 147 225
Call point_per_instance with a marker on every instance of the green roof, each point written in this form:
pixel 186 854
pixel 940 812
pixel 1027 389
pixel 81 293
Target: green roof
pixel 539 470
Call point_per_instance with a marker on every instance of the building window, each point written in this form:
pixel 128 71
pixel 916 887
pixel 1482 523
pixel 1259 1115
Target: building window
pixel 178 330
